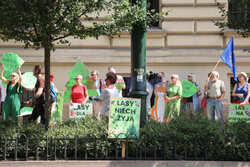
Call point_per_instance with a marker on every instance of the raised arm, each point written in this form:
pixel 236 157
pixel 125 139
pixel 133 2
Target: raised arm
pixel 20 76
pixel 2 77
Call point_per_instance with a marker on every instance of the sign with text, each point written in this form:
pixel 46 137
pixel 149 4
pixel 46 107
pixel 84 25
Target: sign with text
pixel 78 111
pixel 124 118
pixel 239 113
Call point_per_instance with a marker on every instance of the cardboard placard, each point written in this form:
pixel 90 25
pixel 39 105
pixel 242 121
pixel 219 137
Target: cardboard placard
pixel 239 113
pixel 78 111
pixel 124 118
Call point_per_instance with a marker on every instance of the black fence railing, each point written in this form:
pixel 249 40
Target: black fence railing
pixel 169 147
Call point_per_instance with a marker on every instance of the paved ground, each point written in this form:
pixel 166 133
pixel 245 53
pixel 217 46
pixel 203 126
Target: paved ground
pixel 124 164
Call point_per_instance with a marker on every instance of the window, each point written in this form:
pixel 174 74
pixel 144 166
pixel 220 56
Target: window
pixel 239 14
pixel 154 5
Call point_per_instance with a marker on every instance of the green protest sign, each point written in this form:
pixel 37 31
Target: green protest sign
pixel 29 80
pixel 57 109
pixel 188 88
pixel 11 61
pixel 26 111
pixel 239 113
pixel 79 68
pixel 124 118
pixel 78 111
pixel 66 95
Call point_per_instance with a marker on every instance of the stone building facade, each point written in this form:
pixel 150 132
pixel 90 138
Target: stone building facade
pixel 186 41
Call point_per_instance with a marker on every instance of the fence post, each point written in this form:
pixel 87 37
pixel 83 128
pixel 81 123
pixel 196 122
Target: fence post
pixel 16 141
pixel 76 142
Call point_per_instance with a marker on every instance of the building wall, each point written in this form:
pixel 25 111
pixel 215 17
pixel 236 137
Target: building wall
pixel 187 41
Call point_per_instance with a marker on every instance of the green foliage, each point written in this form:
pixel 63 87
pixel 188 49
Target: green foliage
pixel 181 139
pixel 37 22
pixel 236 14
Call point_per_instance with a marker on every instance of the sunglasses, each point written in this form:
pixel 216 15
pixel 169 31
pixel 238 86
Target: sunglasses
pixel 77 78
pixel 13 76
pixel 172 77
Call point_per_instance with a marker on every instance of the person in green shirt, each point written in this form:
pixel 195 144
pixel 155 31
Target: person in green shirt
pixel 12 102
pixel 173 98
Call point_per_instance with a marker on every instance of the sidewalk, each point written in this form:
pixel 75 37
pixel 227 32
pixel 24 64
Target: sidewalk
pixel 124 164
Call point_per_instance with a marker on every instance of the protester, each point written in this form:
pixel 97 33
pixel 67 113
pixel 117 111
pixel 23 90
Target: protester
pixel 158 111
pixel 120 84
pixel 173 98
pixel 241 91
pixel 216 92
pixel 109 92
pixel 53 94
pixel 98 85
pixel 193 103
pixel 149 89
pixel 39 99
pixel 12 102
pixel 3 95
pixel 79 92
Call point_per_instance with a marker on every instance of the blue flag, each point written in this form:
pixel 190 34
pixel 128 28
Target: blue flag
pixel 229 58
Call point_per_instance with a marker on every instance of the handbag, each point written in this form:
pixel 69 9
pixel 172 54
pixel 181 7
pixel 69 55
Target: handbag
pixel 204 102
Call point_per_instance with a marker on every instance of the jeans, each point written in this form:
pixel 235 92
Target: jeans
pixel 215 106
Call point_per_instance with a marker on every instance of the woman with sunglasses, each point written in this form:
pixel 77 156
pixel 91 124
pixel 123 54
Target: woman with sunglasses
pixel 173 98
pixel 241 91
pixel 79 92
pixel 12 102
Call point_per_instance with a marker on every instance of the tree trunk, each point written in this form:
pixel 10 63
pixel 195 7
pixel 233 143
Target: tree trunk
pixel 47 51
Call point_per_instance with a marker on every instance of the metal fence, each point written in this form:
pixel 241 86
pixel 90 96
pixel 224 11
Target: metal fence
pixel 169 147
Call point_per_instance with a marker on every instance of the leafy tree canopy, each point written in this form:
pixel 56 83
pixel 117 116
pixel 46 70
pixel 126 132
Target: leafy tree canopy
pixel 36 22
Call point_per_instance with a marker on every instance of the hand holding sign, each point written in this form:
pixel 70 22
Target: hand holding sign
pixel 188 88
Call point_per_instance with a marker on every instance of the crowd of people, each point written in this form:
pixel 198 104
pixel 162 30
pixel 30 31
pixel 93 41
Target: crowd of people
pixel 168 100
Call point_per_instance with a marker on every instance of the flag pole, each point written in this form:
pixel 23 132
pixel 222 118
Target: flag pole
pixel 212 72
pixel 216 65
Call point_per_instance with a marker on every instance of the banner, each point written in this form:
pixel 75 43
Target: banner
pixel 188 88
pixel 124 118
pixel 57 109
pixel 77 111
pixel 239 113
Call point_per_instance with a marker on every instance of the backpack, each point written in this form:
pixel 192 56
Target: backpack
pixel 53 94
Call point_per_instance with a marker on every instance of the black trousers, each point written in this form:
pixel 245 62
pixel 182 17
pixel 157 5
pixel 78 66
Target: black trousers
pixel 38 111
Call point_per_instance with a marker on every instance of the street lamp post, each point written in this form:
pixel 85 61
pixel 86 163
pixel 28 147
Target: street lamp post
pixel 138 64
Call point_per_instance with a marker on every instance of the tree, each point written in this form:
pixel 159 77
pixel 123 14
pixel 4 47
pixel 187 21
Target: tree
pixel 238 16
pixel 41 23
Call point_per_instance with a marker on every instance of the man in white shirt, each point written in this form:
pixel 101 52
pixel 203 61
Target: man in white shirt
pixel 216 92
pixel 3 95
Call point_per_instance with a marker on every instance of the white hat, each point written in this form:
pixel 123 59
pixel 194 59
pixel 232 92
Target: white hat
pixel 244 74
